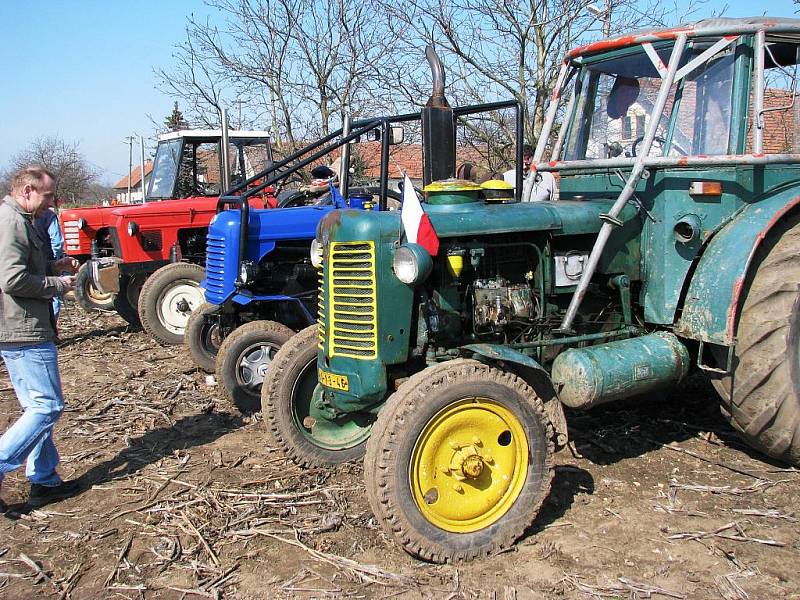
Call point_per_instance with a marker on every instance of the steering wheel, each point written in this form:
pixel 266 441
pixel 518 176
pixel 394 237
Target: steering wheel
pixel 658 139
pixel 304 198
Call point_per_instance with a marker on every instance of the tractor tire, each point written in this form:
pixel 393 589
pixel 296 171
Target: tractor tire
pixel 88 297
pixel 168 297
pixel 286 402
pixel 459 462
pixel 765 405
pixel 244 358
pixel 203 339
pixel 127 299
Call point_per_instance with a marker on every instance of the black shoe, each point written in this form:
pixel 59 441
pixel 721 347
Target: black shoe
pixel 3 507
pixel 43 494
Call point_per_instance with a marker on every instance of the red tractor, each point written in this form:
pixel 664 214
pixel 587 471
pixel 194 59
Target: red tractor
pixel 149 257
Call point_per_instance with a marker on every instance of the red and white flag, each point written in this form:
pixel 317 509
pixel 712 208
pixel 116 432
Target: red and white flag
pixel 415 222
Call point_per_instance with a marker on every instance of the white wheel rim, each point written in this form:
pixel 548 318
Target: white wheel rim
pixel 176 304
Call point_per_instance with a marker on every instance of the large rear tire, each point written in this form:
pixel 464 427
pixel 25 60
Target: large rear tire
pixel 286 399
pixel 127 298
pixel 244 358
pixel 168 298
pixel 202 337
pixel 88 297
pixel 459 462
pixel 765 405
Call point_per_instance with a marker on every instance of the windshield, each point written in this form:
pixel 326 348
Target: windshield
pixel 162 180
pixel 247 157
pixel 615 100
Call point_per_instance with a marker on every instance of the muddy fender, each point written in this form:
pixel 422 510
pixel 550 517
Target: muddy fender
pixel 714 296
pixel 534 375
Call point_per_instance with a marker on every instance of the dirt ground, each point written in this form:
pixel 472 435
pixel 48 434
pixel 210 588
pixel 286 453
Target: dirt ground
pixel 184 498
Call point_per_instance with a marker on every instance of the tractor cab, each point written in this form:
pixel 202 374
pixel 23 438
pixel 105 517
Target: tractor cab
pixel 191 163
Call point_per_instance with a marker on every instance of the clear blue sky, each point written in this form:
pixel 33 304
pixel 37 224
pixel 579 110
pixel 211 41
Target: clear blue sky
pixel 84 69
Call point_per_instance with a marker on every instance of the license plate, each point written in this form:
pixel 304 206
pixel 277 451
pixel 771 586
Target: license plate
pixel 337 382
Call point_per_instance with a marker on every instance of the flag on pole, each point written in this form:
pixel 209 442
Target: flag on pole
pixel 416 223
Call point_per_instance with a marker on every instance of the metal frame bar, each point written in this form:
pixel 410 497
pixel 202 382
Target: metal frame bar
pixel 709 28
pixel 541 144
pixel 758 125
pixel 704 56
pixel 671 161
pixel 610 220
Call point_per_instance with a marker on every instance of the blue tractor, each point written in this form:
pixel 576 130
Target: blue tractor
pixel 260 285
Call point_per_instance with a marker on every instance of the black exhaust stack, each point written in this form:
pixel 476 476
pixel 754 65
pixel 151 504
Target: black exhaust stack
pixel 438 128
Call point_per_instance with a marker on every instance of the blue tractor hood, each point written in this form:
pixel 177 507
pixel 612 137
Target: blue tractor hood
pixel 266 227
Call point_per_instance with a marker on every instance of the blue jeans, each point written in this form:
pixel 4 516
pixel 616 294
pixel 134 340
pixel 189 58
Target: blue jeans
pixel 34 374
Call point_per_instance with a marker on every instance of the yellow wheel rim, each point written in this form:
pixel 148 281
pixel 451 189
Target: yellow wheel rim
pixel 469 465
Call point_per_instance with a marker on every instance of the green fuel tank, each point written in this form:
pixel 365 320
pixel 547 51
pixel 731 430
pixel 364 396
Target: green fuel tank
pixel 586 377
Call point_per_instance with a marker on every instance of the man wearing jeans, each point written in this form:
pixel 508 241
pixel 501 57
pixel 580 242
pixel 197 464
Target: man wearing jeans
pixel 27 334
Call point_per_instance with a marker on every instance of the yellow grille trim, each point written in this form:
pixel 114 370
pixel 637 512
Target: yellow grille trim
pixel 352 301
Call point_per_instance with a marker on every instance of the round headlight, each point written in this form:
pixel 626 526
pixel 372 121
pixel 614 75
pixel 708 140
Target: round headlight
pixel 248 271
pixel 245 272
pixel 316 253
pixel 133 228
pixel 412 263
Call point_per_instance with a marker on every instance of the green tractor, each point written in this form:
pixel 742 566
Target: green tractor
pixel 672 244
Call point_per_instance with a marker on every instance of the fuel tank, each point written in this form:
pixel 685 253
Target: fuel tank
pixel 587 377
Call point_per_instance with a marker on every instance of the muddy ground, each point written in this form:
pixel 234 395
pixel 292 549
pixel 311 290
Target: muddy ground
pixel 184 498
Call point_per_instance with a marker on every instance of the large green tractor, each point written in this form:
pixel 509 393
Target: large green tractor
pixel 672 244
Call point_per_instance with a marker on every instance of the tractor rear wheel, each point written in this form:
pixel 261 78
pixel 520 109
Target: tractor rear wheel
pixel 202 337
pixel 459 462
pixel 765 405
pixel 286 400
pixel 168 298
pixel 87 296
pixel 244 358
pixel 127 298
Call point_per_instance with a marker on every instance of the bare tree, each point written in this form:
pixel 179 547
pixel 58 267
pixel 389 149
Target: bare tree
pixel 295 64
pixel 505 49
pixel 74 175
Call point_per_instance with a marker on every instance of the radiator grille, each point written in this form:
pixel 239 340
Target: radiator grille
pixel 349 274
pixel 215 265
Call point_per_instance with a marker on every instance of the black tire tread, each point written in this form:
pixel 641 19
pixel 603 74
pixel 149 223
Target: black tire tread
pixel 193 338
pixel 82 297
pixel 277 412
pixel 226 367
pixel 123 306
pixel 765 408
pixel 152 289
pixel 389 430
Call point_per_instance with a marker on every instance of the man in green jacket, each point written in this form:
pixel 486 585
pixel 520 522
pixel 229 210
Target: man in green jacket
pixel 28 281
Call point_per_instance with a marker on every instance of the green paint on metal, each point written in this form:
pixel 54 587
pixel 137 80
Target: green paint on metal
pixel 586 377
pixel 711 304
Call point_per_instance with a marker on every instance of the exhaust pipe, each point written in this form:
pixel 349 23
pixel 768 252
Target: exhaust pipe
pixel 438 128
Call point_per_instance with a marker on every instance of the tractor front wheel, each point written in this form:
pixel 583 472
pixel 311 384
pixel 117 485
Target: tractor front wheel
pixel 168 298
pixel 202 337
pixel 287 396
pixel 765 405
pixel 459 462
pixel 244 358
pixel 127 298
pixel 87 296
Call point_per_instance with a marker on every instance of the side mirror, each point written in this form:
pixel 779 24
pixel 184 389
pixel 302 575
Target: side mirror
pixel 396 135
